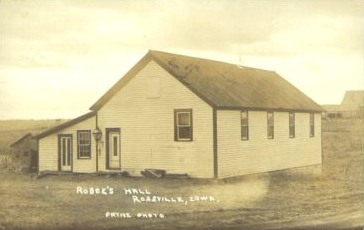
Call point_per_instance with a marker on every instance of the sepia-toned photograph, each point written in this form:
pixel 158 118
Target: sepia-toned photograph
pixel 182 114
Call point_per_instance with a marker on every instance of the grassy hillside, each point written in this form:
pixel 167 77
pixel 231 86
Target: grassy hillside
pixel 12 130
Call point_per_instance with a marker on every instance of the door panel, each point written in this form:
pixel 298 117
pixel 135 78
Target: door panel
pixel 114 150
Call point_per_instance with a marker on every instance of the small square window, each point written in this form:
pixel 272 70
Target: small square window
pixel 183 118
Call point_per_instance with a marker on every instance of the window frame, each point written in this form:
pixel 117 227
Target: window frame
pixel 312 125
pixel 81 146
pixel 292 124
pixel 270 126
pixel 244 126
pixel 177 126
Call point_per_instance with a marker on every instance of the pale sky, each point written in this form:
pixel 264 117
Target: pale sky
pixel 58 57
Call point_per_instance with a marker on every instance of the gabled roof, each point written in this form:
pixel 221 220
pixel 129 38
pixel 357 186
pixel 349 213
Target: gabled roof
pixel 65 125
pixel 223 85
pixel 21 139
pixel 353 99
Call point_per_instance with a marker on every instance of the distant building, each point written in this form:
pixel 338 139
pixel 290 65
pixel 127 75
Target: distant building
pixel 351 106
pixel 25 153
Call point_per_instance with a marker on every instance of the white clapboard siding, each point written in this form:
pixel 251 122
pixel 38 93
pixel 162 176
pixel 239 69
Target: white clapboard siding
pixel 260 154
pixel 48 149
pixel 145 116
pixel 48 153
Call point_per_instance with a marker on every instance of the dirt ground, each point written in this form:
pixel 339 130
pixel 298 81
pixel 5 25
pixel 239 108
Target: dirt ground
pixel 286 199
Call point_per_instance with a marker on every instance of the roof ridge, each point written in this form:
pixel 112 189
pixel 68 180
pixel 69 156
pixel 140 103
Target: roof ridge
pixel 155 52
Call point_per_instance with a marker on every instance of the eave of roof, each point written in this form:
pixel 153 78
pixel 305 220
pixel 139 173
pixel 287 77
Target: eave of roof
pixel 65 125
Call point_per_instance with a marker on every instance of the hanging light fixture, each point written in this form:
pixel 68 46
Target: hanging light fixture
pixel 97 134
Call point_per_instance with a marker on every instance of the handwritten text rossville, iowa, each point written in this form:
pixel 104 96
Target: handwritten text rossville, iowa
pixel 144 195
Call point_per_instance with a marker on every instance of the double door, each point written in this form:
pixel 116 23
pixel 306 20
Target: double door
pixel 65 152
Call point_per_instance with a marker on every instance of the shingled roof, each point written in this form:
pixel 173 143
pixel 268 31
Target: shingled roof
pixel 223 85
pixel 21 139
pixel 65 125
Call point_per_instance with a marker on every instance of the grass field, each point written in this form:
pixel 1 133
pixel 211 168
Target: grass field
pixel 278 200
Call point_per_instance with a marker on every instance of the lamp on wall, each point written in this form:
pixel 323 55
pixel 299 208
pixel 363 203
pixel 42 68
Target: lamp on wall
pixel 97 134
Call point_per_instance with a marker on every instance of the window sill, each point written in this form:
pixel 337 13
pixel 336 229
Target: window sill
pixel 83 158
pixel 183 141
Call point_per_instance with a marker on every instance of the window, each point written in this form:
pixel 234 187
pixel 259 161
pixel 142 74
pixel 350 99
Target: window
pixel 291 125
pixel 244 125
pixel 183 125
pixel 270 125
pixel 312 125
pixel 84 144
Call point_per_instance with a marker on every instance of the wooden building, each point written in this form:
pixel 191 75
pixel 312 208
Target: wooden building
pixel 24 153
pixel 352 106
pixel 183 114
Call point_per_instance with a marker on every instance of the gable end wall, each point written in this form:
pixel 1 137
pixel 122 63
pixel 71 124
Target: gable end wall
pixel 145 117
